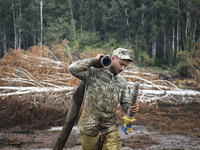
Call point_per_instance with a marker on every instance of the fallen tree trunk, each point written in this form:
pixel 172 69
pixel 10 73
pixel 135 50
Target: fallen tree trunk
pixel 25 90
pixel 71 117
pixel 171 92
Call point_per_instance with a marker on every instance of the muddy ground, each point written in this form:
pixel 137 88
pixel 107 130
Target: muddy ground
pixel 25 125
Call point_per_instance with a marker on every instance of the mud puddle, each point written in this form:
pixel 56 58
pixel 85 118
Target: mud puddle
pixel 163 141
pixel 144 136
pixel 164 127
pixel 141 138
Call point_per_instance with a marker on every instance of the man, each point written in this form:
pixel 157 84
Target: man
pixel 105 89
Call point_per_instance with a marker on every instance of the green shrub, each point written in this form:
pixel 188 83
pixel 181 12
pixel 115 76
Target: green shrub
pixel 145 60
pixel 87 39
pixel 183 68
pixel 182 56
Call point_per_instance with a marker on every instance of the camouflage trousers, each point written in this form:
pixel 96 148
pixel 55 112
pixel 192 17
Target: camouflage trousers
pixel 108 141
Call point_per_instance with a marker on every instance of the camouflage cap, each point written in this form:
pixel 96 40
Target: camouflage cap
pixel 122 53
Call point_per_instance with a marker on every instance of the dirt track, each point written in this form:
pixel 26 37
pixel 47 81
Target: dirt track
pixel 164 127
pixel 141 137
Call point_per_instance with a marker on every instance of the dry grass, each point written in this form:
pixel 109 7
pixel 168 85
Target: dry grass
pixel 168 118
pixel 23 65
pixel 32 112
pixel 165 118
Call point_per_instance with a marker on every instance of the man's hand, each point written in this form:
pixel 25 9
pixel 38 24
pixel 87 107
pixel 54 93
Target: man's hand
pixel 135 108
pixel 99 56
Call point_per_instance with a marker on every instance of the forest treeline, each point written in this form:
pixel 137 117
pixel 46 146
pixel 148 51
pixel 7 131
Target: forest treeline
pixel 154 30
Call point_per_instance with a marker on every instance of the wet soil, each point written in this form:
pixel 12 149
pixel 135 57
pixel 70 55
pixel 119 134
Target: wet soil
pixel 164 126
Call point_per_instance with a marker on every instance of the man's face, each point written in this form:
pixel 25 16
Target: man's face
pixel 118 65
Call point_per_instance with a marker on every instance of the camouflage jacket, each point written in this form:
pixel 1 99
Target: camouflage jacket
pixel 103 93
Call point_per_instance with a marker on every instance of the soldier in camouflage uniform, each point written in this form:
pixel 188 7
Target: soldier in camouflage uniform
pixel 105 89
